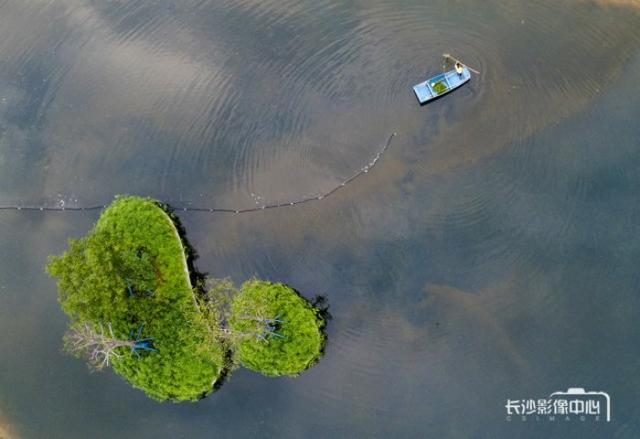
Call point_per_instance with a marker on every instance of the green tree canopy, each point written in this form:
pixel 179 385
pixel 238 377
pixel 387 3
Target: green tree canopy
pixel 131 270
pixel 275 330
pixel 126 287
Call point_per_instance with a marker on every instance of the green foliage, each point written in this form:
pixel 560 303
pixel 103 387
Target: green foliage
pixel 130 273
pixel 284 347
pixel 439 87
pixel 131 269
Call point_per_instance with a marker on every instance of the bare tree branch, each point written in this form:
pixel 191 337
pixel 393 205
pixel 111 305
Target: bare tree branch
pixel 99 347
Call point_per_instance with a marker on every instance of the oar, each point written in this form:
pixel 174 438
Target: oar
pixel 446 55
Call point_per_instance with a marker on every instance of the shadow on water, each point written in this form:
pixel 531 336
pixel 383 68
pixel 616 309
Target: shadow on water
pixel 198 282
pixel 321 303
pixel 198 278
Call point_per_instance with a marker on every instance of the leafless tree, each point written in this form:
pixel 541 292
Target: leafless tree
pixel 264 327
pixel 98 346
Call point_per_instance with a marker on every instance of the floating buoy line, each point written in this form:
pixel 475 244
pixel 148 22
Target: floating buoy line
pixel 360 172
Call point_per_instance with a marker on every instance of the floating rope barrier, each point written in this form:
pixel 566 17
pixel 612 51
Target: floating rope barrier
pixel 318 197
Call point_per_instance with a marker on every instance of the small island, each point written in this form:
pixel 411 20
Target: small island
pixel 288 329
pixel 128 280
pixel 135 305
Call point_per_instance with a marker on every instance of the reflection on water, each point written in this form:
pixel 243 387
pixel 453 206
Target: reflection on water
pixel 471 310
pixel 513 200
pixel 288 107
pixel 6 429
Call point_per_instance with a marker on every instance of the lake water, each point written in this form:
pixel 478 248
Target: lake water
pixel 492 253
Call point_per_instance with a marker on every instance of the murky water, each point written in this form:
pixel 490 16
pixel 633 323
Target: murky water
pixel 491 254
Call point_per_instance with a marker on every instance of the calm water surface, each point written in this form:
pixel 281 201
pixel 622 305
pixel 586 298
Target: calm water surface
pixel 492 253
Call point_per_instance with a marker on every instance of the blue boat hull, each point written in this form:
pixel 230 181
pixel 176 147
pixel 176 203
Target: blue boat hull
pixel 440 85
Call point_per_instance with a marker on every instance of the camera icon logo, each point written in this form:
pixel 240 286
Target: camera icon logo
pixel 589 400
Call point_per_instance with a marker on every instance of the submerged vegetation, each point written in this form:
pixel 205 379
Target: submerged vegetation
pixel 127 289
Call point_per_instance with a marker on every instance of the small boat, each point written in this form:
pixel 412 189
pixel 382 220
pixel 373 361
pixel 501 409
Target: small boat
pixel 441 84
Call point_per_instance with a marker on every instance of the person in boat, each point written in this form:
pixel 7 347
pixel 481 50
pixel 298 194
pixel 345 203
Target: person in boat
pixel 458 67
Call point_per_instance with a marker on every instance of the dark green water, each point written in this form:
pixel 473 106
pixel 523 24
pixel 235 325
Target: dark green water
pixel 491 254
